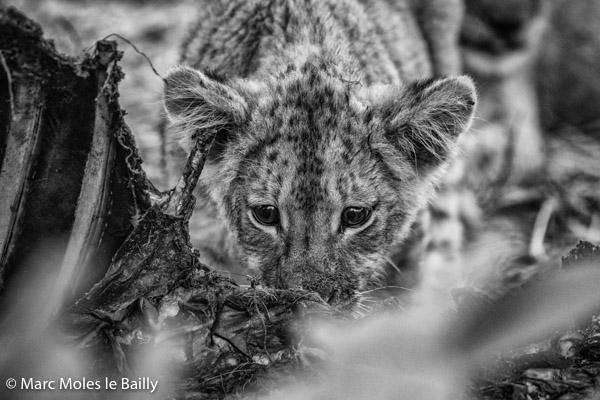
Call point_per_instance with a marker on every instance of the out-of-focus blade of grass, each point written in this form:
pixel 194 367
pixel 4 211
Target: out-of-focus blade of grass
pixel 529 315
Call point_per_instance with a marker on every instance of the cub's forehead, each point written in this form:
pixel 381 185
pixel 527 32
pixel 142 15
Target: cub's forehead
pixel 310 177
pixel 309 122
pixel 311 171
pixel 307 139
pixel 306 109
pixel 303 99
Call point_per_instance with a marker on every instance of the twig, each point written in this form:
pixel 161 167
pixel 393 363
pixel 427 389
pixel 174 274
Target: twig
pixel 536 246
pixel 500 181
pixel 181 196
pixel 137 51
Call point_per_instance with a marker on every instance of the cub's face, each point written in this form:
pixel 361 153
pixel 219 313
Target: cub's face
pixel 318 177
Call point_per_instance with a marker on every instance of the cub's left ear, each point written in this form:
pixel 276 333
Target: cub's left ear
pixel 423 120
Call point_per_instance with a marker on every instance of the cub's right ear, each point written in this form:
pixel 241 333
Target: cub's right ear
pixel 197 101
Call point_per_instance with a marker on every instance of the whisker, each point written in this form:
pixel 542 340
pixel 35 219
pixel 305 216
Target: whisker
pixel 369 300
pixel 364 307
pixel 387 287
pixel 393 264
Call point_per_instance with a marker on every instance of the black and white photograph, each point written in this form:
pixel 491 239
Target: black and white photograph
pixel 300 199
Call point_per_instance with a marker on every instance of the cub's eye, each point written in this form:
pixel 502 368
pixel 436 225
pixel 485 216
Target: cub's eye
pixel 266 215
pixel 355 216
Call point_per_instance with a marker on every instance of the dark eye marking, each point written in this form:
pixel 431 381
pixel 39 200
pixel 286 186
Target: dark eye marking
pixel 266 214
pixel 353 217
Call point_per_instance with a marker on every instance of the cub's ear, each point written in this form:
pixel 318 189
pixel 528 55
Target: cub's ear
pixel 422 121
pixel 198 101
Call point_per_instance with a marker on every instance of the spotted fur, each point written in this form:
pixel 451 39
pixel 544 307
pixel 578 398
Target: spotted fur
pixel 317 109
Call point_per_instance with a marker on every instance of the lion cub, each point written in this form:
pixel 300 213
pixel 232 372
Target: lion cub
pixel 331 133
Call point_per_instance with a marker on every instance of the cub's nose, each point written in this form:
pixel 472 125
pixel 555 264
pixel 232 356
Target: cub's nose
pixel 335 284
